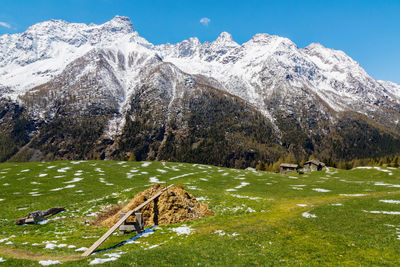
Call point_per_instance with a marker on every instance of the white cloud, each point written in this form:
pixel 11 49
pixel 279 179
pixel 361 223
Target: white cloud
pixel 3 24
pixel 205 21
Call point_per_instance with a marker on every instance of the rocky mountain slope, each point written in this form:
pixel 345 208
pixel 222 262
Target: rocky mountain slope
pixel 70 90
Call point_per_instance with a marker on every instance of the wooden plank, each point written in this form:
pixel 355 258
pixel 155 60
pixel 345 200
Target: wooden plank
pixel 121 221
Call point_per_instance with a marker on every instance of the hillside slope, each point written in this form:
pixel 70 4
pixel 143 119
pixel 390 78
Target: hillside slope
pixel 102 91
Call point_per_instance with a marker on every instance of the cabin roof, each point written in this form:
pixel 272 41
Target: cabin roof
pixel 315 162
pixel 288 165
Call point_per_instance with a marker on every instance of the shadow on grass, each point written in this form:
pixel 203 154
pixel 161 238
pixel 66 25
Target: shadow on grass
pixel 128 241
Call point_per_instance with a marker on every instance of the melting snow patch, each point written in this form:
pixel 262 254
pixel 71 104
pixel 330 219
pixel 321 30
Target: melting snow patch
pixel 336 204
pixel 230 190
pixel 27 170
pixel 243 184
pixel 308 215
pixel 297 188
pixel 219 232
pixel 61 188
pixel 383 212
pixel 49 262
pixel 183 230
pixel 192 187
pixel 64 169
pixel 2 260
pixel 1 199
pixel 146 164
pixel 204 179
pixel 180 176
pixel 42 174
pixel 74 180
pixel 389 185
pixel 81 249
pixel 293 177
pixel 161 170
pixel 111 257
pixel 155 180
pixel 352 195
pixel 390 201
pixel 302 205
pixel 252 198
pixel 321 190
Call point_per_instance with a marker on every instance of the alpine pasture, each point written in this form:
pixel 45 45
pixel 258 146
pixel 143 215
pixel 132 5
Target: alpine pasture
pixel 332 217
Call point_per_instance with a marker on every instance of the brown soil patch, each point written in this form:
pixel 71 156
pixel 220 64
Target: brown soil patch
pixel 173 206
pixel 23 254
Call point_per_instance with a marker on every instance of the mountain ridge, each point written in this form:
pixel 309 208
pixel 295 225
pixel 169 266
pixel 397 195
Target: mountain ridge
pixel 74 72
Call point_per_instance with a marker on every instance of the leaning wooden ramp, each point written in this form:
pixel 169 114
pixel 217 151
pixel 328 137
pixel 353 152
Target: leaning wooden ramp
pixel 121 221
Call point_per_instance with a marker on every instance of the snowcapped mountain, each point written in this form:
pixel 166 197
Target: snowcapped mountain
pixel 148 99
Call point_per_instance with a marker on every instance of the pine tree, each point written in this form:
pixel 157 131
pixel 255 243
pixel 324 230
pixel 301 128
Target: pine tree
pixel 132 157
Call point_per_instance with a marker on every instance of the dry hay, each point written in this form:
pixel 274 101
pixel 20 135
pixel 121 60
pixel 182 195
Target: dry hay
pixel 173 206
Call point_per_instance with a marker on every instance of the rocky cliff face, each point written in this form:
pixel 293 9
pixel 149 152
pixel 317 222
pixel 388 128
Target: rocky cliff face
pixel 101 91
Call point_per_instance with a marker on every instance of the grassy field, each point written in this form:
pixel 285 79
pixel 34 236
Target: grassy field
pixel 326 218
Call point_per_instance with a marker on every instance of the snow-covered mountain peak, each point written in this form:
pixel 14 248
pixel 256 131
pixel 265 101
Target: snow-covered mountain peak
pixel 119 24
pixel 226 39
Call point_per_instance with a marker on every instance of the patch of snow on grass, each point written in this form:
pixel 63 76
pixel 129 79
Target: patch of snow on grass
pixel 192 187
pixel 302 205
pixel 73 180
pixel 162 171
pixel 183 230
pixel 49 262
pixel 180 176
pixel 243 184
pixel 219 232
pixel 321 190
pixel 383 212
pixel 111 257
pixel 64 169
pixel 42 174
pixel 390 201
pixel 27 170
pixel 155 180
pixel 293 177
pixel 308 215
pixel 1 199
pixel 252 198
pixel 352 195
pixel 336 204
pixel 81 249
pixel 2 260
pixel 146 164
pixel 389 185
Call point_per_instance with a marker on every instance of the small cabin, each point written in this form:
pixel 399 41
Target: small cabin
pixel 313 165
pixel 286 167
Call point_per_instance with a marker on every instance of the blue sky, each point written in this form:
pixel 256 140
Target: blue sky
pixel 368 31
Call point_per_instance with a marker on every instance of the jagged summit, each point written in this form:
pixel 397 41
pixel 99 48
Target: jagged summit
pixel 225 38
pixel 119 23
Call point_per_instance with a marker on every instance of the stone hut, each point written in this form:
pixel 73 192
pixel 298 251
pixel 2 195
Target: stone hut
pixel 286 167
pixel 313 165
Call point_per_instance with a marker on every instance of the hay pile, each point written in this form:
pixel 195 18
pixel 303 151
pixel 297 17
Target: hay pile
pixel 173 206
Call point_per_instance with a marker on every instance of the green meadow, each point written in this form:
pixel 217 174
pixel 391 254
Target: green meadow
pixel 328 218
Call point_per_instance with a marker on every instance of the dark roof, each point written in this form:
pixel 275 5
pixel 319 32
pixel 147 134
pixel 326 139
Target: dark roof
pixel 288 165
pixel 315 162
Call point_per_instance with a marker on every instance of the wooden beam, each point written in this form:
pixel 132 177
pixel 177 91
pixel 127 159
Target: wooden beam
pixel 121 221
